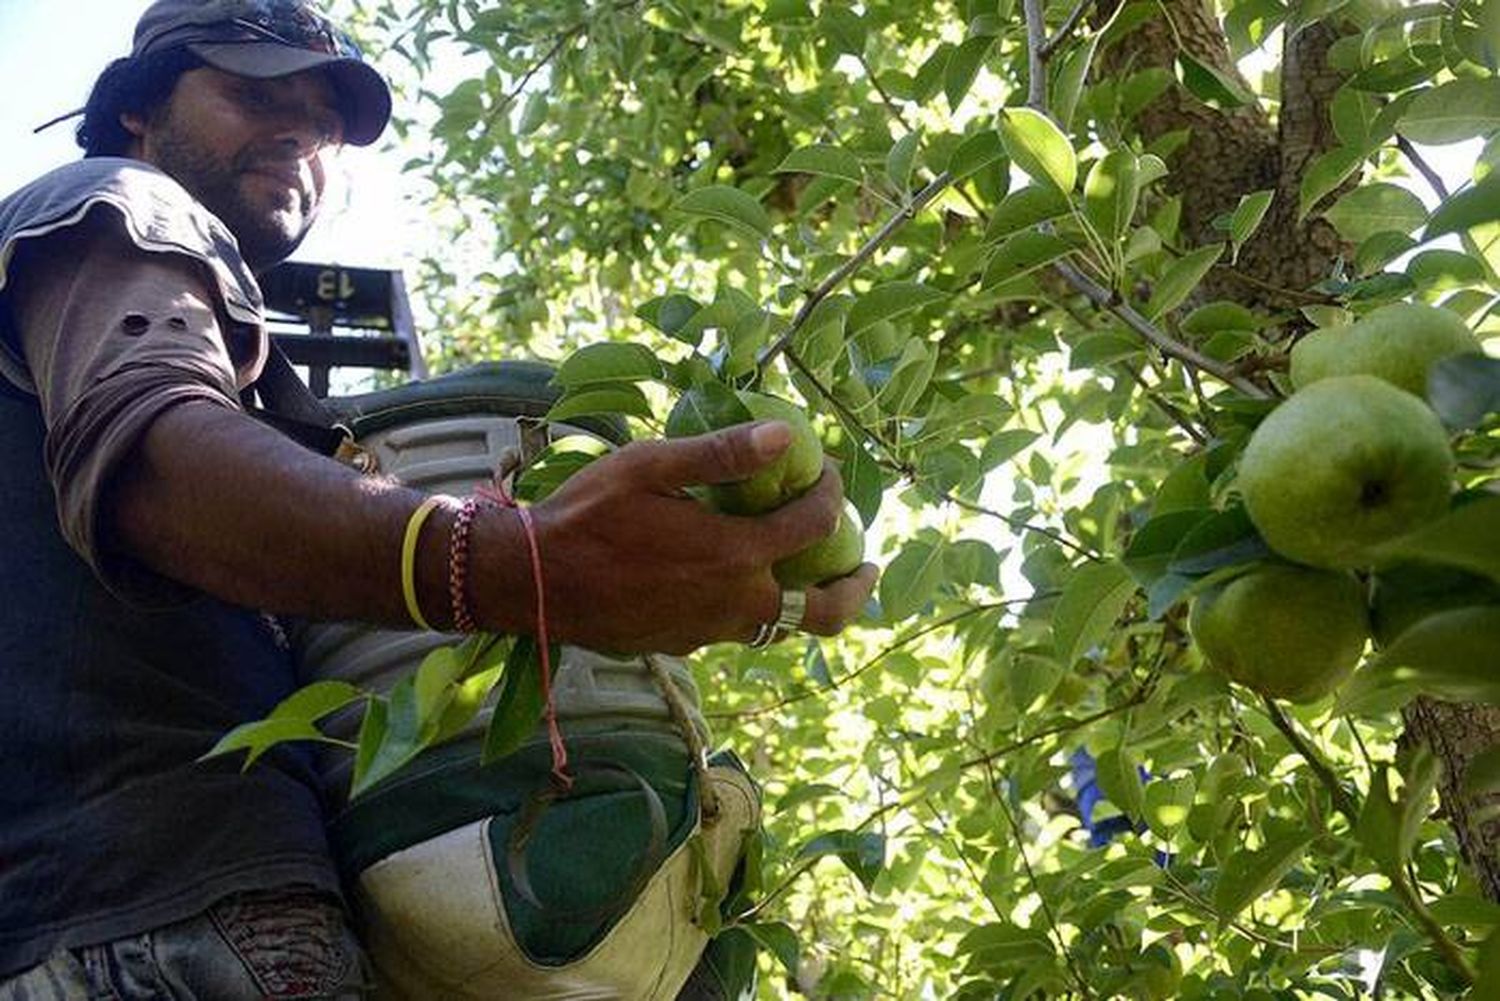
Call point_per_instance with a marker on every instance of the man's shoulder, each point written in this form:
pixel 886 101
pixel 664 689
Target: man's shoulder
pixel 158 214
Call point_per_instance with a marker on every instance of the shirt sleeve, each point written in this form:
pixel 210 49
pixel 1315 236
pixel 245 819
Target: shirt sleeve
pixel 114 335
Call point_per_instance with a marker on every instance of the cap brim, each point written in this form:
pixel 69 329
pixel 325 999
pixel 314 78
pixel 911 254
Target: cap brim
pixel 364 98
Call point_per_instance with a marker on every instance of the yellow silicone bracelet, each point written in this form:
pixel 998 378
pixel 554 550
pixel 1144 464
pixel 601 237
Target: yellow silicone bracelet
pixel 409 559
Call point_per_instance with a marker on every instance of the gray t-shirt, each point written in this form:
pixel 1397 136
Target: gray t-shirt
pixel 134 300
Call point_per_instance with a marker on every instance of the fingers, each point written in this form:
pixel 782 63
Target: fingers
pixel 717 457
pixel 799 523
pixel 832 606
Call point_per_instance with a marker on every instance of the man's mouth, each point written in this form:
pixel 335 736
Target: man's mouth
pixel 287 177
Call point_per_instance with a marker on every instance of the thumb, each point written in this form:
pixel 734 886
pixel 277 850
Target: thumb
pixel 717 457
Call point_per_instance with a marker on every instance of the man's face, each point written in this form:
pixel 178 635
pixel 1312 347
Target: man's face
pixel 253 151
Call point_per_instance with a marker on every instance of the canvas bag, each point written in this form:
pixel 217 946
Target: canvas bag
pixel 482 882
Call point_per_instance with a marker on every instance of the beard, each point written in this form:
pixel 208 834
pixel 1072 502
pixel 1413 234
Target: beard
pixel 268 226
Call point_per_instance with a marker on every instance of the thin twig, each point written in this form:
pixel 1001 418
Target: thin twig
pixel 897 644
pixel 1025 526
pixel 1431 176
pixel 853 264
pixel 1139 696
pixel 878 814
pixel 1165 406
pixel 1155 335
pixel 1343 800
pixel 1051 44
pixel 1015 830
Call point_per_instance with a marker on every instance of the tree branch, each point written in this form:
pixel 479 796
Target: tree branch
pixel 1050 46
pixel 853 264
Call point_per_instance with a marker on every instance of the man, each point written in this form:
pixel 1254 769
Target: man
pixel 147 515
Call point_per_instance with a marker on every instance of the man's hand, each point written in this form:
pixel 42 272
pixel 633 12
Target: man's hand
pixel 632 562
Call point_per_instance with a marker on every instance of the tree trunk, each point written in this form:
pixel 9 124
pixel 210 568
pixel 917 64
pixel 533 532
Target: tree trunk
pixel 1239 151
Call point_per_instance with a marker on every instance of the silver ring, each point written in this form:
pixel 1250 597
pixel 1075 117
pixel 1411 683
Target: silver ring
pixel 789 616
pixel 793 610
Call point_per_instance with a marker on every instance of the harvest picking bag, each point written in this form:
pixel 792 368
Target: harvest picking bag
pixel 483 881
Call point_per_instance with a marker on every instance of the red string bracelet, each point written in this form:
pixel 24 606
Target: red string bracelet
pixel 500 495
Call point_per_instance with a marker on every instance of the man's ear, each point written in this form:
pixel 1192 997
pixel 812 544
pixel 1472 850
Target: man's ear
pixel 133 123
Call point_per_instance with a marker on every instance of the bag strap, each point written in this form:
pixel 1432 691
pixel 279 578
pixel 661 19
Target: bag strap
pixel 291 408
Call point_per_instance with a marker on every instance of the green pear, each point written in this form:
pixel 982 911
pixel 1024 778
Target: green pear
pixel 836 556
pixel 1397 343
pixel 1286 631
pixel 1344 465
pixel 789 475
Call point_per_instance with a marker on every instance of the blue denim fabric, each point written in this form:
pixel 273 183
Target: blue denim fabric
pixel 287 945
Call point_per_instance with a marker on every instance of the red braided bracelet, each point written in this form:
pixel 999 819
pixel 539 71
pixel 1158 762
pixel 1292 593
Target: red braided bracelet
pixel 458 566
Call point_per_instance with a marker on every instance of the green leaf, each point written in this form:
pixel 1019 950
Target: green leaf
pixel 1110 193
pixel 1376 208
pixel 1212 85
pixel 1388 825
pixel 1025 208
pixel 1353 113
pixel 900 160
pixel 974 154
pixel 1226 539
pixel 1104 349
pixel 262 735
pixel 534 116
pixel 1325 174
pixel 1006 445
pixel 1022 254
pixel 1092 601
pixel 1464 389
pixel 556 465
pixel 888 301
pixel 1151 549
pixel 518 707
pixel 1468 537
pixel 608 362
pixel 862 851
pixel 1453 112
pixel 863 483
pixel 1039 148
pixel 612 398
pixel 671 313
pixel 727 205
pixel 1119 778
pixel 1483 774
pixel 1247 217
pixel 963 67
pixel 778 938
pixel 401 738
pixel 709 407
pixel 1219 316
pixel 1166 804
pixel 1442 270
pixel 1449 655
pixel 1469 208
pixel 1071 80
pixel 1247 875
pixel 824 161
pixel 313 702
pixel 1181 279
pixel 911 579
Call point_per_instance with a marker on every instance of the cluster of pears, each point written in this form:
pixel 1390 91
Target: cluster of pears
pixel 789 476
pixel 1353 459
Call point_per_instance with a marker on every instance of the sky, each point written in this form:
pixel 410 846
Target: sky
pixel 50 53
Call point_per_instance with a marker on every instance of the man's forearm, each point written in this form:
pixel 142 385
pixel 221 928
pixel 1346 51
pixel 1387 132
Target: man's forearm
pixel 218 501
